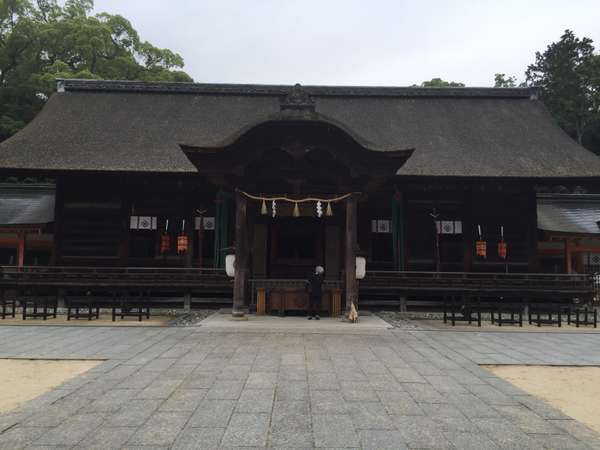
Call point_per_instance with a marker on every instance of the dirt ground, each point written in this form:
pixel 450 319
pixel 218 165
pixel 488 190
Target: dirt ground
pixel 27 379
pixel 573 390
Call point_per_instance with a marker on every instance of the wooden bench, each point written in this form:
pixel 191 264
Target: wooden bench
pixel 84 306
pixel 583 316
pixel 461 309
pixel 8 305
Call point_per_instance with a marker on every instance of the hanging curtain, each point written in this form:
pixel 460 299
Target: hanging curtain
pixel 398 231
pixel 221 229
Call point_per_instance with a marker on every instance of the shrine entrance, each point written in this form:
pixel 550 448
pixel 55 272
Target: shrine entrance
pixel 288 236
pixel 297 179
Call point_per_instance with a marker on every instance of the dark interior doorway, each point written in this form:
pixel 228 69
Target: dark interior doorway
pixel 296 247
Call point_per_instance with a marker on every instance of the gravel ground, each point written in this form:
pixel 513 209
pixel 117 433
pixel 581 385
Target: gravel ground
pixel 192 318
pixel 400 319
pixel 406 320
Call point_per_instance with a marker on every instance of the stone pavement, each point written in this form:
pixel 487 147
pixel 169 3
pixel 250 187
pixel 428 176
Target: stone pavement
pixel 191 388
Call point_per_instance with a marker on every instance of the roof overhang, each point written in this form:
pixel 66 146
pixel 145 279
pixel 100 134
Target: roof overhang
pixel 23 206
pixel 569 215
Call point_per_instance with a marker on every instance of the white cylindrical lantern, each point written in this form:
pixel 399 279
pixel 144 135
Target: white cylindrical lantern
pixel 230 265
pixel 361 267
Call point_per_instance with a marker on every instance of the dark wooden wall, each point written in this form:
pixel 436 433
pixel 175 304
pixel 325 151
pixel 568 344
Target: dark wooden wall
pixel 93 227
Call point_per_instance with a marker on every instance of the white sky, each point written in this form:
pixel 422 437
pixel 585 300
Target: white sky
pixel 356 42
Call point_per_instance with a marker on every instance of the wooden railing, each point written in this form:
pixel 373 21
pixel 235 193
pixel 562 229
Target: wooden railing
pixel 500 284
pixel 112 277
pixel 390 284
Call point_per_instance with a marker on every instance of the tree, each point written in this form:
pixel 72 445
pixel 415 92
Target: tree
pixel 502 81
pixel 568 76
pixel 438 82
pixel 42 40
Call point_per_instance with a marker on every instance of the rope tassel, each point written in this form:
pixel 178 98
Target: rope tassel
pixel 264 210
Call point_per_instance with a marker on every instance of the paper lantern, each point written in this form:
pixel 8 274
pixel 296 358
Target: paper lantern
pixel 502 249
pixel 182 243
pixel 230 265
pixel 361 267
pixel 481 249
pixel 165 243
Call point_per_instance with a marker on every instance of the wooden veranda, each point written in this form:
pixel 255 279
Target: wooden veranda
pixel 379 288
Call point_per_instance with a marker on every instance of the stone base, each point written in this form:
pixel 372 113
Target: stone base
pixel 238 315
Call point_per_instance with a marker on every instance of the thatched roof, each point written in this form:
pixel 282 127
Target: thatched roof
pixel 133 126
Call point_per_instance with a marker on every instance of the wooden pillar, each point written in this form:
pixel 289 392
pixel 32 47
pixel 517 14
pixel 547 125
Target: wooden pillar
pixel 125 231
pixel 187 300
pixel 189 232
pixel 533 262
pixel 241 256
pixel 200 238
pixel 350 253
pixel 579 263
pixel 468 229
pixel 568 268
pixel 58 220
pixel 21 236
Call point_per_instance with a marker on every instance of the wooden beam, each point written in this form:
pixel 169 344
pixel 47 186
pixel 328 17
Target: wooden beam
pixel 350 253
pixel 241 256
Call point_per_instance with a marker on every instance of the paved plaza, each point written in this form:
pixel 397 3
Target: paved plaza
pixel 195 387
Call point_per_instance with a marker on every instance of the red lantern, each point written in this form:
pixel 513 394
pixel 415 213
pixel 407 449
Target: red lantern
pixel 182 243
pixel 481 249
pixel 502 249
pixel 165 243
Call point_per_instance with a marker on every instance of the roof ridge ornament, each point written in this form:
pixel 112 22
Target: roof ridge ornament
pixel 297 99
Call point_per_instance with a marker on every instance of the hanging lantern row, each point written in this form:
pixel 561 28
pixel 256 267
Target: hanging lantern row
pixel 182 240
pixel 481 245
pixel 318 202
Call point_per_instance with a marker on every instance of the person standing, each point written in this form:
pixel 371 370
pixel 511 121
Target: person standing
pixel 315 285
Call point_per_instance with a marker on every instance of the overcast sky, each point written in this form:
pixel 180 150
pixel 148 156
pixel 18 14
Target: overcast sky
pixel 356 42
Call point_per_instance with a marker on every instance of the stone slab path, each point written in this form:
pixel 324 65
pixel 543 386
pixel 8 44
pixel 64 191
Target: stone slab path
pixel 191 388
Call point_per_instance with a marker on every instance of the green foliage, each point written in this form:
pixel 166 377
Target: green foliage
pixel 42 40
pixel 568 75
pixel 502 81
pixel 438 82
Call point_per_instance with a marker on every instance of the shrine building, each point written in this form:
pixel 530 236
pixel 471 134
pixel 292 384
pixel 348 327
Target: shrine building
pixel 162 181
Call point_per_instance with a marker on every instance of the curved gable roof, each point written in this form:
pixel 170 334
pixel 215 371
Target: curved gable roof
pixel 133 126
